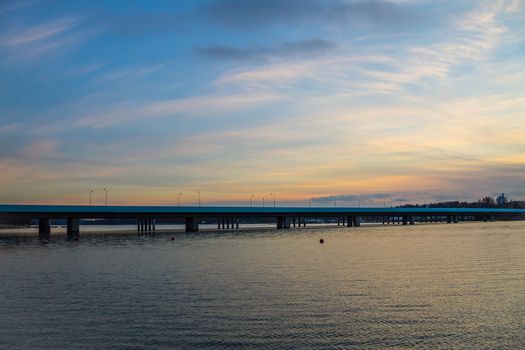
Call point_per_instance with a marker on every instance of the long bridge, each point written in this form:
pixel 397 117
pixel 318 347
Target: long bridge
pixel 228 217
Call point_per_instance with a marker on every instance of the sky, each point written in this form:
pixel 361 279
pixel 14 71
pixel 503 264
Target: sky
pixel 377 102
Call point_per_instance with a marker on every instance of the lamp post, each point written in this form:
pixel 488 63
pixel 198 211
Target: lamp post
pixel 178 199
pixel 106 200
pixel 251 199
pixel 90 194
pixel 271 194
pixel 199 197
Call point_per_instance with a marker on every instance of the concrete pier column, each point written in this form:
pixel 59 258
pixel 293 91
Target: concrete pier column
pixel 357 221
pixel 150 224
pixel 223 223
pixel 304 221
pixel 411 220
pixel 293 220
pixel 283 222
pixel 154 222
pixel 349 221
pixel 218 223
pixel 405 220
pixel 338 221
pixel 192 224
pixel 449 219
pixel 138 224
pixel 455 219
pixel 44 229
pixel 73 228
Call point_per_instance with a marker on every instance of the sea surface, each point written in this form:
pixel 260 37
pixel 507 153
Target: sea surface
pixel 435 286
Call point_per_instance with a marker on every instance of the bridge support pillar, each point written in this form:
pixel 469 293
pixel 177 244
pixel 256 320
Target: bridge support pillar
pixel 192 224
pixel 411 220
pixel 349 221
pixel 356 221
pixel 283 222
pixel 73 229
pixel 449 219
pixel 44 229
pixel 405 220
pixel 455 219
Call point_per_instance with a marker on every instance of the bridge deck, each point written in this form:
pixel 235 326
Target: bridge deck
pixel 184 211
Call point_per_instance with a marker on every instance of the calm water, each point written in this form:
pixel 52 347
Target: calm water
pixel 458 286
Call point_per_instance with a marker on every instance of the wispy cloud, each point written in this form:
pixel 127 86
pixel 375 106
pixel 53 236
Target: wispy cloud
pixel 386 69
pixel 132 110
pixel 41 148
pixel 35 40
pixel 131 73
pixel 12 5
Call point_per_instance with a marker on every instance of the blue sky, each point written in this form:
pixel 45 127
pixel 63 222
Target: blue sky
pixel 407 100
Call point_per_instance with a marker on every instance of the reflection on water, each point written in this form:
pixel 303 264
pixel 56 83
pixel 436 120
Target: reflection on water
pixel 425 286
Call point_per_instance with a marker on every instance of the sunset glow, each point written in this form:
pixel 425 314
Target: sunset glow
pixel 388 101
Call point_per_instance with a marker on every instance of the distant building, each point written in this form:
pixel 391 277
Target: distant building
pixel 501 199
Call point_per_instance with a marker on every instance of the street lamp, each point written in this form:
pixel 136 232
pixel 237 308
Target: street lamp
pixel 251 199
pixel 106 201
pixel 199 197
pixel 90 193
pixel 178 199
pixel 271 194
